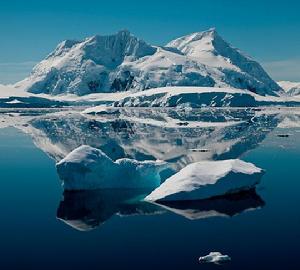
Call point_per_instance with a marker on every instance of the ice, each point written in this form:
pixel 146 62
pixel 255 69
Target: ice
pixel 214 257
pixel 101 110
pixel 207 179
pixel 194 97
pixel 290 88
pixel 89 168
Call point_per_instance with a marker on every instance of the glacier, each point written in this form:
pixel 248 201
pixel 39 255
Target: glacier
pixel 122 62
pixel 208 179
pixel 88 168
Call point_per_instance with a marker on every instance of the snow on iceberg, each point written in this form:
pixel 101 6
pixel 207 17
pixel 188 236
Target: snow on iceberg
pixel 89 168
pixel 214 257
pixel 208 179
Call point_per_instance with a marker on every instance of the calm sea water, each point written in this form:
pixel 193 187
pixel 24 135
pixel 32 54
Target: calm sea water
pixel 42 228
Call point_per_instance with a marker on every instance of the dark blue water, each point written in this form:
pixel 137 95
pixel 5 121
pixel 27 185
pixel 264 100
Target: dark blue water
pixel 31 198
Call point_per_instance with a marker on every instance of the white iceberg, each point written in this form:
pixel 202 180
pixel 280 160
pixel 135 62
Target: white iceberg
pixel 89 168
pixel 214 257
pixel 207 179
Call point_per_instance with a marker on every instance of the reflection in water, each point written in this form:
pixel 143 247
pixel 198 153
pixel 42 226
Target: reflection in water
pixel 224 206
pixel 179 137
pixel 155 134
pixel 86 210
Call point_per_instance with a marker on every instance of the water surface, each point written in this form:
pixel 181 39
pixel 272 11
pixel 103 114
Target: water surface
pixel 44 228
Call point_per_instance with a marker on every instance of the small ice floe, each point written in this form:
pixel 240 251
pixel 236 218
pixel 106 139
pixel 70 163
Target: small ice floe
pixel 208 179
pixel 214 257
pixel 87 168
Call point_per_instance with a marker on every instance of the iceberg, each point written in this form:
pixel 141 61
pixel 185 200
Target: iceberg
pixel 214 257
pixel 89 168
pixel 208 179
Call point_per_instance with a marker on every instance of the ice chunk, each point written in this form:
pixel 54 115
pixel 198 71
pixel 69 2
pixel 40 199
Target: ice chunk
pixel 214 257
pixel 206 179
pixel 89 168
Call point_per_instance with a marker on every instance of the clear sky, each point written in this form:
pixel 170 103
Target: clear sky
pixel 267 30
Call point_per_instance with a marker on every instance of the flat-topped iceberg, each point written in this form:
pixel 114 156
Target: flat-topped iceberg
pixel 89 168
pixel 207 179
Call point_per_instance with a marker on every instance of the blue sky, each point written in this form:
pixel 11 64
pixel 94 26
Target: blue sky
pixel 267 30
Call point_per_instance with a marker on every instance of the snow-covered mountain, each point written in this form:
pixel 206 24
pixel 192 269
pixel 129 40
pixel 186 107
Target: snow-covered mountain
pixel 122 62
pixel 290 88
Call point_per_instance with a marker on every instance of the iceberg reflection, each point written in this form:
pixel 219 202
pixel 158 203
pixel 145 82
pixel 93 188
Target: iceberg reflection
pixel 86 210
pixel 223 206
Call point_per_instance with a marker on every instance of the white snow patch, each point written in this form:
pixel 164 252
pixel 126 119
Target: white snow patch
pixel 290 88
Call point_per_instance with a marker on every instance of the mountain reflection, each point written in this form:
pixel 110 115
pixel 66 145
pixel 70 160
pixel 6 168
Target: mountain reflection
pixel 179 137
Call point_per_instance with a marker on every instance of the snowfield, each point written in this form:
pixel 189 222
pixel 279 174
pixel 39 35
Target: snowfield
pixel 208 179
pixel 290 88
pixel 201 97
pixel 122 62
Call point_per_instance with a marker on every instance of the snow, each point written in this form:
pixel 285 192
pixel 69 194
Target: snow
pixel 11 96
pixel 196 97
pixel 7 91
pixel 290 88
pixel 122 62
pixel 190 97
pixel 89 168
pixel 214 257
pixel 207 179
pixel 101 110
pixel 14 101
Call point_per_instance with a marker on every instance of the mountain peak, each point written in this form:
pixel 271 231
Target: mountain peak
pixel 121 61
